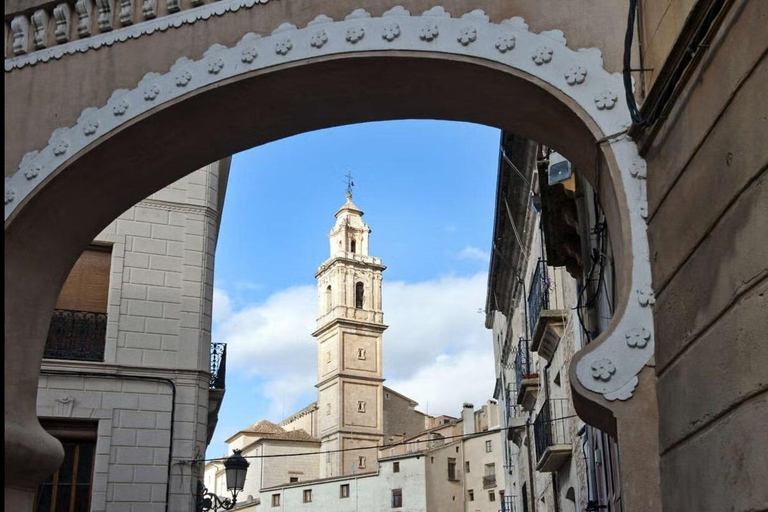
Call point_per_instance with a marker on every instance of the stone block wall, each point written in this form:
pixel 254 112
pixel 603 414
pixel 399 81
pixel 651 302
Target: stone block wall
pixel 708 211
pixel 157 362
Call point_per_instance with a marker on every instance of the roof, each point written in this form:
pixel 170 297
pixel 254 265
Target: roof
pixel 311 407
pixel 265 429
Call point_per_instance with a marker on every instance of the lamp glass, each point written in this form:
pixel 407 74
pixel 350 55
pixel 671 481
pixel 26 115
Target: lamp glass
pixel 236 468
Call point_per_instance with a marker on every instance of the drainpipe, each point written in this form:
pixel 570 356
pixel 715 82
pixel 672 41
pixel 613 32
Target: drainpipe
pixel 134 377
pixel 531 477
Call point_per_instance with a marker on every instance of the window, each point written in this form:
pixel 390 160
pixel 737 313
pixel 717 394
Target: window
pixel 361 461
pixel 275 500
pixel 293 479
pixel 395 467
pixel 359 295
pixel 466 466
pixel 397 498
pixel 361 353
pixel 491 496
pixel 352 246
pixel 78 328
pixel 328 299
pixel 488 446
pixel 69 488
pixel 307 495
pixel 344 491
pixel 360 406
pixel 328 356
pixel 471 495
pixel 327 409
pixel 451 469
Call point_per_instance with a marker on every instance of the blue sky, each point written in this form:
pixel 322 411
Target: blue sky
pixel 427 189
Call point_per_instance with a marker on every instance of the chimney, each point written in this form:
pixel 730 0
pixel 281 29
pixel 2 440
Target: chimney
pixel 468 418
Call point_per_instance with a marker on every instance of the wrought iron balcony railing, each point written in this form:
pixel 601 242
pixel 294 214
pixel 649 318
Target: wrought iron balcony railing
pixel 538 297
pixel 522 362
pixel 76 335
pixel 508 504
pixel 551 425
pixel 218 365
pixel 489 481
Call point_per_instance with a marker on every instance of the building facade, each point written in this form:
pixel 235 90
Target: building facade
pixel 550 293
pixel 130 381
pixel 363 445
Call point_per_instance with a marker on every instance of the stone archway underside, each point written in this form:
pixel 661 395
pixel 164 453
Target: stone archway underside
pixel 574 80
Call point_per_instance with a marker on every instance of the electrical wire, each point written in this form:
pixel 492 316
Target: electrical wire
pixel 377 447
pixel 634 112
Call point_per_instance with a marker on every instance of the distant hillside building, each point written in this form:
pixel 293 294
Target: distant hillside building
pixel 362 440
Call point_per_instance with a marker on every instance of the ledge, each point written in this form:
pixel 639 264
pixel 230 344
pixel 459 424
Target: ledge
pixel 548 331
pixel 553 458
pixel 529 390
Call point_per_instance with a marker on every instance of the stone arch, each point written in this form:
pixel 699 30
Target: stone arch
pixel 357 69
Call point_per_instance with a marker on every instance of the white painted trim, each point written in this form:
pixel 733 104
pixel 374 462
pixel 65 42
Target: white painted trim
pixel 174 20
pixel 610 368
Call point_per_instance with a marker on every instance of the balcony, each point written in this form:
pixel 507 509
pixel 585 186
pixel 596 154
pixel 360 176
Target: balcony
pixel 508 504
pixel 527 381
pixel 552 436
pixel 216 385
pixel 547 323
pixel 76 335
pixel 489 481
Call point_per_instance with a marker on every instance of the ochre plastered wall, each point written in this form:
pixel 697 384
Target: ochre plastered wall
pixel 708 212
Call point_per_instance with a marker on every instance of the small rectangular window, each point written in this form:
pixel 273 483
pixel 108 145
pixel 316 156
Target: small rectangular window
pixel 397 498
pixel 466 466
pixel 344 491
pixel 275 500
pixel 395 467
pixel 361 353
pixel 294 479
pixel 471 495
pixel 360 406
pixel 491 496
pixel 488 446
pixel 307 495
pixel 452 469
pixel 361 461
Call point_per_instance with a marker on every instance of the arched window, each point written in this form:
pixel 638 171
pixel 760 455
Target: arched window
pixel 352 246
pixel 359 295
pixel 328 299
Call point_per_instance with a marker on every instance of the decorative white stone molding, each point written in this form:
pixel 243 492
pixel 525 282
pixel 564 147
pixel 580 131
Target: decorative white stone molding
pixel 40 33
pixel 62 13
pixel 83 9
pixel 104 18
pixel 149 9
pixel 20 33
pixel 126 12
pixel 64 404
pixel 509 44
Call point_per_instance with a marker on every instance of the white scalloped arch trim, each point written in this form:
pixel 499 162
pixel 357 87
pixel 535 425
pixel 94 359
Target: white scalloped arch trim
pixel 610 368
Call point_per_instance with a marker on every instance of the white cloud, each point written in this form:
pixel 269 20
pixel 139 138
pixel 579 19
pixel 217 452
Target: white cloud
pixel 473 253
pixel 222 305
pixel 436 348
pixel 443 386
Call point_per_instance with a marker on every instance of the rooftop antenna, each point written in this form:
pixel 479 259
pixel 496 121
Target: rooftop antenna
pixel 350 184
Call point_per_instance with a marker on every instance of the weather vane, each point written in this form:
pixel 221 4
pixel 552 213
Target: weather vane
pixel 350 184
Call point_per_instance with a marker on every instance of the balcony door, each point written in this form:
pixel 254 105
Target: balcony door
pixel 79 323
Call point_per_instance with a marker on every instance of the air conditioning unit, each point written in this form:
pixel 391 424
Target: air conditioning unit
pixel 559 169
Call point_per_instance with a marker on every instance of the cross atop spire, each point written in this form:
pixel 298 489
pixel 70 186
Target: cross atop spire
pixel 350 184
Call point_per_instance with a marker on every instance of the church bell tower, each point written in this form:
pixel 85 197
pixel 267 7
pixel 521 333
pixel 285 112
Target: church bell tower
pixel 349 331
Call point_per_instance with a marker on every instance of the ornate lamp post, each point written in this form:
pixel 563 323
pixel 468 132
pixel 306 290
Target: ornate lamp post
pixel 236 468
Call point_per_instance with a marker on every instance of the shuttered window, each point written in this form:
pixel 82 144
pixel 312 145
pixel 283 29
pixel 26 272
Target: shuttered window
pixel 87 285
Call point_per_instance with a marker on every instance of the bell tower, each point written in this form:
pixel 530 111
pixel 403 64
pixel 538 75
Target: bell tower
pixel 349 331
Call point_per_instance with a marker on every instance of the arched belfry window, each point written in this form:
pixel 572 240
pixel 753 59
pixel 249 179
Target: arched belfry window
pixel 352 246
pixel 359 295
pixel 328 299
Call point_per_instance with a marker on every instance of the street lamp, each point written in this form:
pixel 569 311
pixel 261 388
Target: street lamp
pixel 236 467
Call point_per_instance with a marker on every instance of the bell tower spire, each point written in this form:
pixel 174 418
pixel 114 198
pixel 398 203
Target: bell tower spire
pixel 349 331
